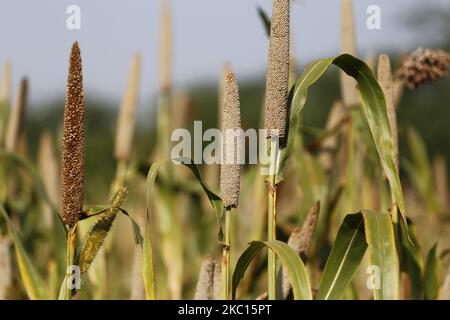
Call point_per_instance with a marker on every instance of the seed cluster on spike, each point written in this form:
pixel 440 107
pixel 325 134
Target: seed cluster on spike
pixel 72 166
pixel 230 171
pixel 423 66
pixel 277 80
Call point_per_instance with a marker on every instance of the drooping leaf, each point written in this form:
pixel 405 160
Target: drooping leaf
pixel 215 200
pixel 383 255
pixel 35 286
pixel 300 240
pixel 373 104
pixel 345 257
pixel 290 260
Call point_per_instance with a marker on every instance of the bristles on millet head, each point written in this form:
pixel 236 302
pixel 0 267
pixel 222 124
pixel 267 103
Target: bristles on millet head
pixel 72 166
pixel 230 171
pixel 277 80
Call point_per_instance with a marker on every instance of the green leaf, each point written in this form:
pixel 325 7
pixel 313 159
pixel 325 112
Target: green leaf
pixel 420 171
pixel 290 260
pixel 431 276
pixel 411 260
pixel 147 264
pixel 373 104
pixel 214 199
pixel 35 178
pixel 35 286
pixel 147 252
pixel 383 254
pixel 345 257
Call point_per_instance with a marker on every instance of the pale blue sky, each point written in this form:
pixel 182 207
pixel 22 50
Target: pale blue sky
pixel 33 35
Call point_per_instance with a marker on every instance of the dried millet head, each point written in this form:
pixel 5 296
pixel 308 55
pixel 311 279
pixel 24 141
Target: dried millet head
pixel 230 171
pixel 277 80
pixel 72 166
pixel 423 66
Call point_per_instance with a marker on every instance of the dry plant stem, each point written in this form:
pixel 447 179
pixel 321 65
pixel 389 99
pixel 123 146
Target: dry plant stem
pixel 226 267
pixel 387 84
pixel 120 178
pixel 163 126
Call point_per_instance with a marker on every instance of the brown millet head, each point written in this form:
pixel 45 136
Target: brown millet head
pixel 230 171
pixel 423 66
pixel 72 166
pixel 277 80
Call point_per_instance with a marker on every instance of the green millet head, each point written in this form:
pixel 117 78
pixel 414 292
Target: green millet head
pixel 72 166
pixel 277 80
pixel 230 170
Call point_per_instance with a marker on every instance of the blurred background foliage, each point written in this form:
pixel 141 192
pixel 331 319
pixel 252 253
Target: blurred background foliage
pixel 426 109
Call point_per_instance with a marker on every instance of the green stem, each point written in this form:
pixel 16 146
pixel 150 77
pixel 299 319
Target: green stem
pixel 271 234
pixel 226 257
pixel 274 152
pixel 70 254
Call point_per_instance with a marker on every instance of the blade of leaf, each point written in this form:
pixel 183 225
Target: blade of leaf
pixel 213 198
pixel 431 276
pixel 345 257
pixel 411 260
pixel 147 264
pixel 35 286
pixel 383 254
pixel 373 104
pixel 290 260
